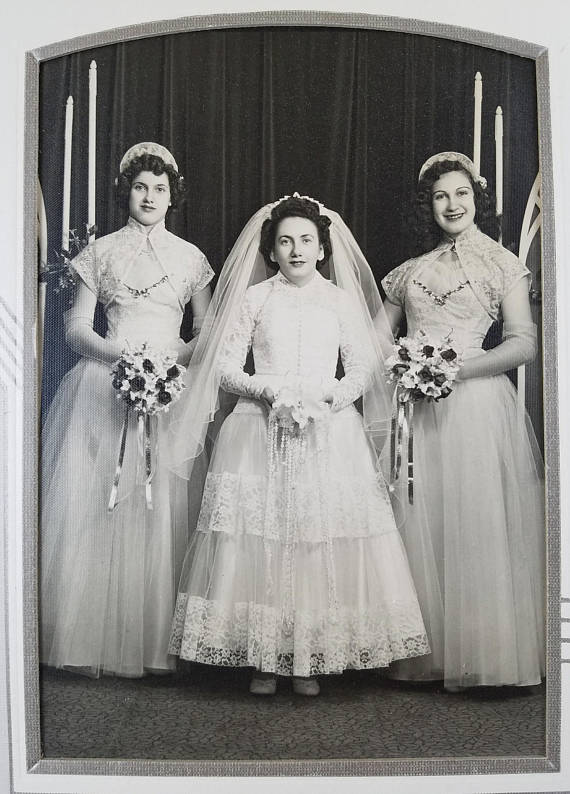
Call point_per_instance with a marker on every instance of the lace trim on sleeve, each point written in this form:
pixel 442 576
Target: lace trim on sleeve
pixel 85 266
pixel 355 353
pixel 513 271
pixel 234 353
pixel 394 284
pixel 205 275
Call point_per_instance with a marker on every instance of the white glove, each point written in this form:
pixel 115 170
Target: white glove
pixel 518 347
pixel 81 338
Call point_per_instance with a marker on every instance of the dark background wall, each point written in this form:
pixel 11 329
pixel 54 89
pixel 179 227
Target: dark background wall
pixel 347 116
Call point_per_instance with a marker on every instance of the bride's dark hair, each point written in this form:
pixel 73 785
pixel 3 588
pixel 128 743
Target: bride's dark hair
pixel 423 232
pixel 294 207
pixel 157 166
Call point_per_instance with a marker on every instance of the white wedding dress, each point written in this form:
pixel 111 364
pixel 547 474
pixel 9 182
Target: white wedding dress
pixel 300 571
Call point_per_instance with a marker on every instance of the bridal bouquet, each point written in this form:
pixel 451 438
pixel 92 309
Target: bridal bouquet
pixel 423 368
pixel 149 381
pixel 291 410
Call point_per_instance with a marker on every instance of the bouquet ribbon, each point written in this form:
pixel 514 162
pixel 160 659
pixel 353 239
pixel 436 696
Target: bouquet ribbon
pixel 402 429
pixel 145 450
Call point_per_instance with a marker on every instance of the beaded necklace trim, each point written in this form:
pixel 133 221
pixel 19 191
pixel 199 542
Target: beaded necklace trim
pixel 145 292
pixel 440 300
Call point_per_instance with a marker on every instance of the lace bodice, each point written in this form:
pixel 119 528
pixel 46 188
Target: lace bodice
pixel 456 288
pixel 152 314
pixel 296 333
pixel 155 319
pixel 447 305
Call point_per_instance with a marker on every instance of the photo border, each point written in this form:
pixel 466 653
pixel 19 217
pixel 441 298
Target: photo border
pixel 31 391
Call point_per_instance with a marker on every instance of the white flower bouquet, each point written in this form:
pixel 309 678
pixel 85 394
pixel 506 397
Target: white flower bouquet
pixel 149 381
pixel 423 368
pixel 291 410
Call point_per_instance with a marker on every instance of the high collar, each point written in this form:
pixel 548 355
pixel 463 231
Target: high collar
pixel 465 237
pixel 315 281
pixel 152 232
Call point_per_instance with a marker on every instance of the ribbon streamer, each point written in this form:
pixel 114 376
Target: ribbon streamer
pixel 411 452
pixel 144 443
pixel 115 489
pixel 148 464
pixel 402 428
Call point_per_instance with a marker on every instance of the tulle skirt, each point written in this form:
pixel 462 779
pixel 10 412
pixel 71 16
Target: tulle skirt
pixel 475 537
pixel 302 570
pixel 108 579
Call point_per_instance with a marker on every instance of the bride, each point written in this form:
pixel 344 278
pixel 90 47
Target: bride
pixel 297 567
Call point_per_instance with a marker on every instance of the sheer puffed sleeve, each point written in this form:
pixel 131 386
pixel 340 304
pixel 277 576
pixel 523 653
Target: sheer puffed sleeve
pixel 78 321
pixel 394 284
pixel 355 352
pixel 512 272
pixel 234 353
pixel 200 276
pixel 84 265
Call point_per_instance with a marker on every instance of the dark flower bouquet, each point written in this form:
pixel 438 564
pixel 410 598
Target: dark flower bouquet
pixel 149 381
pixel 423 368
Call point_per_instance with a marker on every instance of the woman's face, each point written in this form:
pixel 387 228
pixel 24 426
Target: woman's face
pixel 453 202
pixel 297 249
pixel 149 198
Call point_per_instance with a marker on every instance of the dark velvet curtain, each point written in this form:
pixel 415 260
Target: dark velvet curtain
pixel 344 115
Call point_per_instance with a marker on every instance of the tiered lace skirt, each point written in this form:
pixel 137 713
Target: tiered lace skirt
pixel 475 537
pixel 301 571
pixel 108 580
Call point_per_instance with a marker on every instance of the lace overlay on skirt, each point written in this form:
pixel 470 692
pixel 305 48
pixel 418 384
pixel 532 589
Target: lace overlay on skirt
pixel 319 589
pixel 253 635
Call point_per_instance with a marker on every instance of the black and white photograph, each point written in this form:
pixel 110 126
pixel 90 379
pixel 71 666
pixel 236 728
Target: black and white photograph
pixel 294 506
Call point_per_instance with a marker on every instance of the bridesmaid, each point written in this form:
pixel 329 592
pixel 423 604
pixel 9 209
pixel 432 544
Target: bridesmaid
pixel 475 531
pixel 108 579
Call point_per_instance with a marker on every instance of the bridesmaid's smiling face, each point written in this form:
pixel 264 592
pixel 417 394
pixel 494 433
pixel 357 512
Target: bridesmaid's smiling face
pixel 453 202
pixel 297 249
pixel 149 198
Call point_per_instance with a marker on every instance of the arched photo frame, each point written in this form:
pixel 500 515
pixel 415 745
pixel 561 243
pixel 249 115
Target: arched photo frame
pixel 356 189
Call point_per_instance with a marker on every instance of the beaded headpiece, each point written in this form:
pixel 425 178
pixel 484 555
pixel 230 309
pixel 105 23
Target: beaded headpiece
pixel 455 157
pixel 147 147
pixel 273 204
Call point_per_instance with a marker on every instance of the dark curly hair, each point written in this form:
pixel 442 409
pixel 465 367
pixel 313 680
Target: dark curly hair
pixel 157 166
pixel 424 232
pixel 294 207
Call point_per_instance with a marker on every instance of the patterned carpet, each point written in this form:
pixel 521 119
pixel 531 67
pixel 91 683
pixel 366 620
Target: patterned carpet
pixel 203 713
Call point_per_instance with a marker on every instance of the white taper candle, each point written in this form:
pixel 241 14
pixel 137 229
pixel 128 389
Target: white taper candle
pixel 67 174
pixel 92 144
pixel 499 159
pixel 478 93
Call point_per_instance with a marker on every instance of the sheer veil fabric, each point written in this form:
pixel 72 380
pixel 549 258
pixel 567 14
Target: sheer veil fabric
pixel 347 268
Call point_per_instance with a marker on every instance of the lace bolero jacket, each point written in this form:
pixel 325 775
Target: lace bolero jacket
pixel 106 262
pixel 492 270
pixel 297 333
